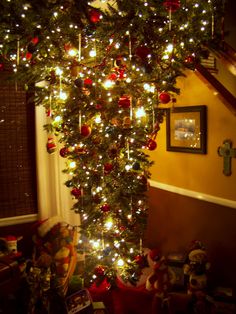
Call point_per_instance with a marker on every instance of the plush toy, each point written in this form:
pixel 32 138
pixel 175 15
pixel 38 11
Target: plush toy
pixel 55 249
pixel 196 268
pixel 161 278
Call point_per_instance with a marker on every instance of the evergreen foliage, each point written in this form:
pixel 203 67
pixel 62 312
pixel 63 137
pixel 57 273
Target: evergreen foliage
pixel 103 75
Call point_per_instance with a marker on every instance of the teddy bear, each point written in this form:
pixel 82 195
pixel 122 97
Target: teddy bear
pixel 196 268
pixel 161 278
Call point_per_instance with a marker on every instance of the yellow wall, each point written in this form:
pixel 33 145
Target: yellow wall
pixel 199 172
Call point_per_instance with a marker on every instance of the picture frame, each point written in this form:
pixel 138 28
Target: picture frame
pixel 186 129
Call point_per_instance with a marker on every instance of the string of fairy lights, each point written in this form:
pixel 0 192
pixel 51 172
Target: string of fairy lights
pixel 102 97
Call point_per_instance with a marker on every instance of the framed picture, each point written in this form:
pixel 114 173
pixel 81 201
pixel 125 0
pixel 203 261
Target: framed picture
pixel 186 129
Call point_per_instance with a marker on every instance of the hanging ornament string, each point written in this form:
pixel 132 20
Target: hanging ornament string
pixel 130 47
pixel 212 25
pixel 17 58
pixel 140 246
pixel 223 24
pixel 131 208
pixel 128 151
pixel 18 52
pixel 79 47
pixel 131 110
pixel 80 120
pixel 170 18
pixel 103 241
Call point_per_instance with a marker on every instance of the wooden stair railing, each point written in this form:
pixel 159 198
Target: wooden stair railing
pixel 227 98
pixel 227 55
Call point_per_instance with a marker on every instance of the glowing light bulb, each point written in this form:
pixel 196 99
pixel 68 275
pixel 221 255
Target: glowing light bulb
pixel 92 53
pixel 169 48
pixel 96 244
pixel 109 224
pixel 62 95
pixel 140 113
pixel 58 71
pixel 57 119
pixel 128 167
pixel 108 84
pixel 98 119
pixel 120 263
pixel 149 88
pixel 72 164
pixel 72 52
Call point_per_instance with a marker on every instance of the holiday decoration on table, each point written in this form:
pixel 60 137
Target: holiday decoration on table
pixel 102 74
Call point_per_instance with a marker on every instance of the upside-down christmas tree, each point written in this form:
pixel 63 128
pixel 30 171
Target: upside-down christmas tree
pixel 101 69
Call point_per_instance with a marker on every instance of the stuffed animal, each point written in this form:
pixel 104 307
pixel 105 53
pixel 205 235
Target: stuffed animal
pixel 196 268
pixel 55 249
pixel 161 278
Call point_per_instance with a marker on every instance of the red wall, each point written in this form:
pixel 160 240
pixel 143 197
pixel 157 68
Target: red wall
pixel 176 220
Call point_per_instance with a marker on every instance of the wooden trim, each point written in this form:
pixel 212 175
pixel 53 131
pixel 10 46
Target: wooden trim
pixel 194 194
pixel 10 221
pixel 227 97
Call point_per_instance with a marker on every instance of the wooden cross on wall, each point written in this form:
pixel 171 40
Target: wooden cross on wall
pixel 227 152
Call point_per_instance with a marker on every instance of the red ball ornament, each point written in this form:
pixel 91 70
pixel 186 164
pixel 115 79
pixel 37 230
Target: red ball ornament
pixel 28 55
pixel 1 66
pixel 172 5
pixel 105 208
pixel 164 98
pixel 94 16
pixel 76 192
pixel 151 144
pixel 35 40
pixel 63 152
pixel 108 167
pixel 124 102
pixel 142 52
pixel 88 81
pixel 85 130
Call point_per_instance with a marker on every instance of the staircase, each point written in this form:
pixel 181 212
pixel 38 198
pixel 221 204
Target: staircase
pixel 219 70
